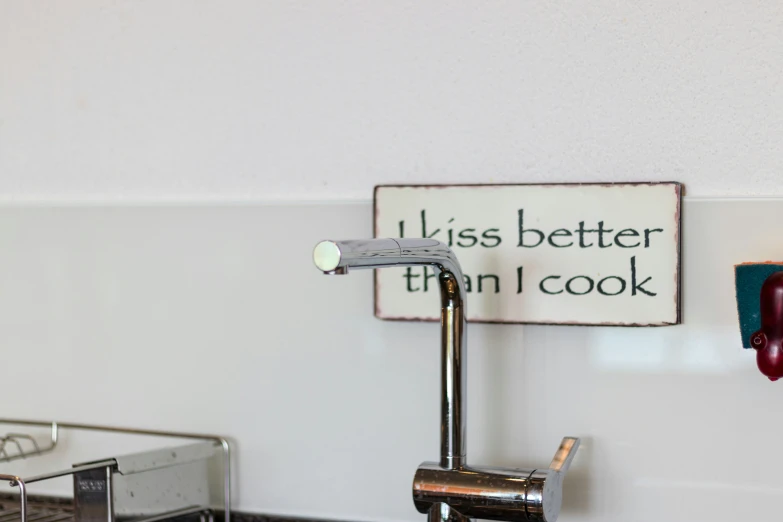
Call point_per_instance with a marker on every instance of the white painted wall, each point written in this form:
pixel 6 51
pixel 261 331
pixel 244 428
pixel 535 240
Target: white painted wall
pixel 332 409
pixel 300 99
pixel 213 319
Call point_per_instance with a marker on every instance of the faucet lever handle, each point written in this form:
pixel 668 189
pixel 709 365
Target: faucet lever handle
pixel 565 454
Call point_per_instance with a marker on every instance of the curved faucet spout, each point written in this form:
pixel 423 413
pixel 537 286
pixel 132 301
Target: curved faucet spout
pixel 339 257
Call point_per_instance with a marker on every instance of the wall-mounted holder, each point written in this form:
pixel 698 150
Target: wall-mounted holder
pixel 759 289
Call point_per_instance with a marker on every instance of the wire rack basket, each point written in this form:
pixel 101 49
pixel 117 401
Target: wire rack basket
pixel 190 480
pixel 21 445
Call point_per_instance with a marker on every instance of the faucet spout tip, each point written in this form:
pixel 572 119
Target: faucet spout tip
pixel 327 257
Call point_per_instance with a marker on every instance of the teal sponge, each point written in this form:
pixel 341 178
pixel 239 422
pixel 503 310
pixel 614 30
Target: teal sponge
pixel 748 278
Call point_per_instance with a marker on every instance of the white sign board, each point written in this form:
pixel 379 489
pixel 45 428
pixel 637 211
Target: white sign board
pixel 589 254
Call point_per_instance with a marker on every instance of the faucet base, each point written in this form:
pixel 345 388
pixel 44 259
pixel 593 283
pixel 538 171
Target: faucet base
pixel 483 493
pixel 492 493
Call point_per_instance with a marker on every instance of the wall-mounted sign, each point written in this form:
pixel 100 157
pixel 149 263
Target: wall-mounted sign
pixel 590 254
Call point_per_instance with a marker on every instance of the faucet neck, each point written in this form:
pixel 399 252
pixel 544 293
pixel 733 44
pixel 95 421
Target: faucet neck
pixel 453 406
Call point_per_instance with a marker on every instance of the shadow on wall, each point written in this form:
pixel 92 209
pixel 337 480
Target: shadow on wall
pixel 577 482
pixel 714 350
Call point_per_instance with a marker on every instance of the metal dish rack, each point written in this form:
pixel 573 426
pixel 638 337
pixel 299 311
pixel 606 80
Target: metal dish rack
pixel 184 481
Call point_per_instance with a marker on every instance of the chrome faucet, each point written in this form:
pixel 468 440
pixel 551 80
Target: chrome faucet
pixel 450 490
